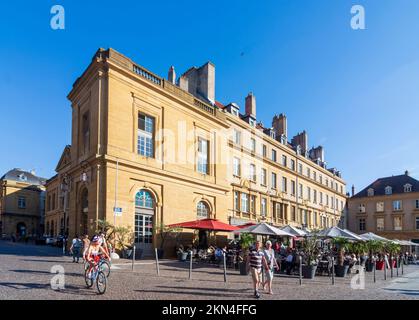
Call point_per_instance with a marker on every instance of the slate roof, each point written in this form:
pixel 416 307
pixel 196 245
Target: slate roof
pixel 20 175
pixel 396 182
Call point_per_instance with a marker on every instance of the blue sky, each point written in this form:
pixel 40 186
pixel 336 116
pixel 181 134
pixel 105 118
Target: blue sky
pixel 355 92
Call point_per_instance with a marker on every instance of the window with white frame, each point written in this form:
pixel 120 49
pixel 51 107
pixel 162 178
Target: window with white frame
pixel 309 193
pixel 292 164
pixel 253 144
pixel 397 205
pixel 361 208
pixel 293 188
pixel 284 184
pixel 300 191
pixel 272 134
pixel 245 202
pixel 321 179
pixel 284 160
pixel 361 224
pixel 388 190
pixel 314 196
pixel 273 180
pixel 236 136
pixel 21 202
pixel 202 210
pixel 253 204
pixel 273 155
pixel 145 143
pixel 252 173
pixel 203 156
pixel 380 224
pixel 263 176
pixel 300 168
pixel 327 200
pixel 236 167
pixel 236 201
pixel 314 175
pixel 235 112
pixel 264 150
pixel 407 188
pixel 370 192
pixel 263 207
pixel 308 172
pixel 321 197
pixel 380 206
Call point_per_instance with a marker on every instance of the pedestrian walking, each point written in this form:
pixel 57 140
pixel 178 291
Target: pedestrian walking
pixel 271 264
pixel 75 248
pixel 255 261
pixel 86 244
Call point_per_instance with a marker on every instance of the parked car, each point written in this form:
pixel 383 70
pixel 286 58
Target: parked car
pixel 50 240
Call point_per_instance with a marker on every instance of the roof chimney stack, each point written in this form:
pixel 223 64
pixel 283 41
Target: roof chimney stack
pixel 279 123
pixel 250 107
pixel 406 172
pixel 172 75
pixel 200 82
pixel 353 190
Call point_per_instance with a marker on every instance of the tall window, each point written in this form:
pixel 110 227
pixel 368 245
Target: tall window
pixel 370 192
pixel 320 179
pixel 327 200
pixel 86 132
pixel 292 187
pixel 361 208
pixel 253 144
pixel 236 167
pixel 253 204
pixel 203 156
pixel 263 177
pixel 300 168
pixel 273 180
pixel 321 197
pixel 237 136
pixel 245 202
pixel 397 205
pixel 292 164
pixel 308 172
pixel 236 201
pixel 21 202
pixel 407 188
pixel 264 150
pixel 300 191
pixel 314 175
pixel 293 214
pixel 146 136
pixel 202 210
pixel 309 193
pixel 273 158
pixel 263 207
pixel 144 199
pixel 284 184
pixel 388 190
pixel 315 218
pixel 397 223
pixel 417 223
pixel 380 224
pixel 284 160
pixel 380 206
pixel 361 224
pixel 314 196
pixel 417 204
pixel 252 173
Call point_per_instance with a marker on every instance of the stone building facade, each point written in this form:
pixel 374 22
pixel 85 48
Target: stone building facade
pixel 165 151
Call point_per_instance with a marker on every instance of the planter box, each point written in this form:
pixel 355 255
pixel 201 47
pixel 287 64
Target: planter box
pixel 243 269
pixel 309 272
pixel 379 265
pixel 369 266
pixel 341 271
pixel 182 256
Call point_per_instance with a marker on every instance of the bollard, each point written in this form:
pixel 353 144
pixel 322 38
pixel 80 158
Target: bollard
pixel 391 267
pixel 403 264
pixel 133 259
pixel 301 270
pixel 397 266
pixel 157 262
pixel 374 266
pixel 333 270
pixel 190 266
pixel 225 267
pixel 385 267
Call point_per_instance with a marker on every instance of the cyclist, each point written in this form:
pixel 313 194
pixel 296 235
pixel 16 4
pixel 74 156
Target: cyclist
pixel 86 245
pixel 95 250
pixel 103 243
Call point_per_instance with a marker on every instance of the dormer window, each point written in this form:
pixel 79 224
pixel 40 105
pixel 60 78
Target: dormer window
pixel 252 122
pixel 272 134
pixel 235 112
pixel 388 190
pixel 22 177
pixel 407 188
pixel 370 192
pixel 283 139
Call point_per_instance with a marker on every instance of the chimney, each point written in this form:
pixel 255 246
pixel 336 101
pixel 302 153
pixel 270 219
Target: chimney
pixel 33 172
pixel 406 173
pixel 172 75
pixel 279 123
pixel 200 82
pixel 317 153
pixel 250 105
pixel 353 190
pixel 301 139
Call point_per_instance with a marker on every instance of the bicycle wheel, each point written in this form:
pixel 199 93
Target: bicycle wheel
pixel 86 265
pixel 88 278
pixel 101 282
pixel 106 268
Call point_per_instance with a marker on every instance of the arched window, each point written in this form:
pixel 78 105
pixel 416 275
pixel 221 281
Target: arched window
pixel 202 210
pixel 144 199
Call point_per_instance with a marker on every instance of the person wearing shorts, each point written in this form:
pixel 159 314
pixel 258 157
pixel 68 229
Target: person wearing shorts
pixel 271 264
pixel 255 261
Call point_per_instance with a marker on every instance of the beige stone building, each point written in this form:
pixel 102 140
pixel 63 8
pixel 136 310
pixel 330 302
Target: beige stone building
pixel 22 204
pixel 165 151
pixel 388 207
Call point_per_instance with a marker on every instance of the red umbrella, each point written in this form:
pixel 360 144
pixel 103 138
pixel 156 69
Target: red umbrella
pixel 205 224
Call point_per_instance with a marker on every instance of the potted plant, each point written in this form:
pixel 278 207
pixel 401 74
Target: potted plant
pixel 392 249
pixel 342 245
pixel 311 252
pixel 124 242
pixel 165 233
pixel 246 240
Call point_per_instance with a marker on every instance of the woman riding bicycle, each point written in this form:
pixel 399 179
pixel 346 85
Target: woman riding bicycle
pixel 96 250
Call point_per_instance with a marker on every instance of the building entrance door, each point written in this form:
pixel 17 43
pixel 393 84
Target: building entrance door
pixel 144 221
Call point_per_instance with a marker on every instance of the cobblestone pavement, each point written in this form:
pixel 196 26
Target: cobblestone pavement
pixel 25 273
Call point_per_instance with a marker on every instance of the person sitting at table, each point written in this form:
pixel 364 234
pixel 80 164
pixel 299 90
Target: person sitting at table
pixel 289 261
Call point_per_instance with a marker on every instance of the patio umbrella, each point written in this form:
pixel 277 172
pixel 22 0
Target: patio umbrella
pixel 336 232
pixel 205 224
pixel 265 230
pixel 372 236
pixel 294 231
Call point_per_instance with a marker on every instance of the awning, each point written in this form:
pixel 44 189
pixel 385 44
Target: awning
pixel 294 231
pixel 265 230
pixel 372 236
pixel 205 224
pixel 336 232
